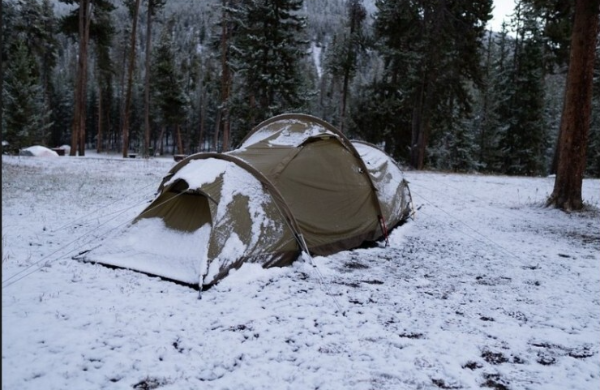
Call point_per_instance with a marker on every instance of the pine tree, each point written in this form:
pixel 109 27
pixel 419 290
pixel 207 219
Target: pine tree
pixel 167 86
pixel 380 116
pixel 82 24
pixel 434 46
pixel 134 12
pixel 26 119
pixel 524 140
pixel 153 6
pixel 593 153
pixel 103 39
pixel 485 123
pixel 268 48
pixel 343 59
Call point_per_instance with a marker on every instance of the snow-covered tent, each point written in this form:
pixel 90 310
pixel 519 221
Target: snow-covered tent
pixel 295 184
pixel 38 151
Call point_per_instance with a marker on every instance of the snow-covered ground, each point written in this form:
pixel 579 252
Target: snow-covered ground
pixel 484 288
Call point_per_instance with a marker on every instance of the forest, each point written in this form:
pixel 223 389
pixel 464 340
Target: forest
pixel 426 80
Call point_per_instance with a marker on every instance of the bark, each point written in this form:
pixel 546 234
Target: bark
pixel 82 112
pixel 179 139
pixel 576 115
pixel 130 81
pixel 421 122
pixel 344 98
pixel 160 139
pixel 147 81
pixel 78 124
pixel 217 128
pixel 225 80
pixel 100 118
pixel 203 103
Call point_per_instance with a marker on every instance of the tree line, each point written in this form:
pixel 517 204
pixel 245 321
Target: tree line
pixel 425 79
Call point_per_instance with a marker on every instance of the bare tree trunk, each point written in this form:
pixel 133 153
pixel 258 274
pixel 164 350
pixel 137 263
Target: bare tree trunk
pixel 147 81
pixel 82 112
pixel 160 139
pixel 130 80
pixel 344 99
pixel 179 140
pixel 100 117
pixel 421 126
pixel 202 120
pixel 217 129
pixel 225 79
pixel 78 124
pixel 576 116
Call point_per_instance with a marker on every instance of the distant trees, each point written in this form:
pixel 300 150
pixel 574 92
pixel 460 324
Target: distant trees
pixel 29 42
pixel 523 139
pixel 431 49
pixel 152 7
pixel 268 47
pixel 167 87
pixel 26 115
pixel 342 61
pixel 423 79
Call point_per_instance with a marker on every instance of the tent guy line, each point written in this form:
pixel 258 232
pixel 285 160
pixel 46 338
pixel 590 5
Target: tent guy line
pixel 78 249
pixel 486 240
pixel 126 197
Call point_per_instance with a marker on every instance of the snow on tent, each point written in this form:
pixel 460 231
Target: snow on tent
pixel 295 184
pixel 38 151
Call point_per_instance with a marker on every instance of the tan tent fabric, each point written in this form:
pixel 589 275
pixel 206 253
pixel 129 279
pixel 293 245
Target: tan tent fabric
pixel 296 183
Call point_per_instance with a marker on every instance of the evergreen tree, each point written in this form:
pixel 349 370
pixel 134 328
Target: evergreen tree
pixel 134 10
pixel 485 123
pixel 167 86
pixel 102 35
pixel 343 59
pixel 153 6
pixel 26 119
pixel 524 140
pixel 593 153
pixel 434 47
pixel 380 116
pixel 268 48
pixel 8 20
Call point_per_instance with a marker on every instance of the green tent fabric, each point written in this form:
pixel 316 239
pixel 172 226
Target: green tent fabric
pixel 295 184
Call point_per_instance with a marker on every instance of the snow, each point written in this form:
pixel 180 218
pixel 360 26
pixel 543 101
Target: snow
pixel 316 55
pixel 286 135
pixel 484 288
pixel 38 151
pixel 376 161
pixel 142 246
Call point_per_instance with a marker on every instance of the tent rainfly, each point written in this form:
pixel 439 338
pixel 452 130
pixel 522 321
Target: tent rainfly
pixel 296 184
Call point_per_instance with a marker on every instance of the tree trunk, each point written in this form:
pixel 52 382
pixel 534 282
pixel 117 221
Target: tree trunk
pixel 179 139
pixel 576 115
pixel 160 139
pixel 217 129
pixel 344 98
pixel 225 79
pixel 82 112
pixel 130 80
pixel 100 117
pixel 78 124
pixel 421 122
pixel 147 81
pixel 203 103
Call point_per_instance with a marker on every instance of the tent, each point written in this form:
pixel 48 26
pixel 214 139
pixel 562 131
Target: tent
pixel 38 151
pixel 296 184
